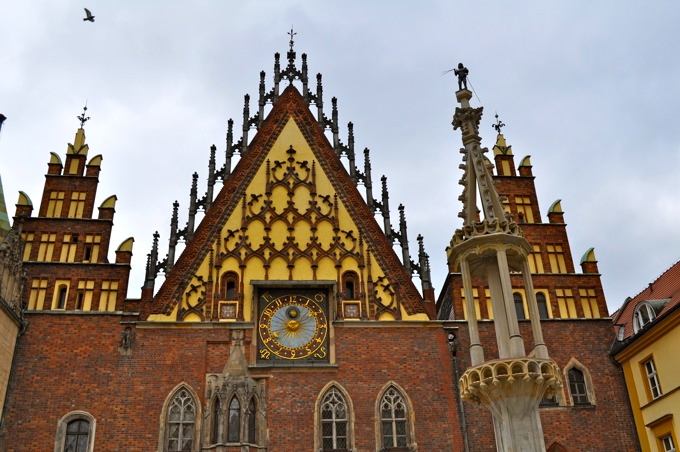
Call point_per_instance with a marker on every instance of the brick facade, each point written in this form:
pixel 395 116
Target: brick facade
pixel 73 362
pixel 120 361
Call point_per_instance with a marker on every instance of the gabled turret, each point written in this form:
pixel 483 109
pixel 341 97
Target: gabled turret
pixel 67 233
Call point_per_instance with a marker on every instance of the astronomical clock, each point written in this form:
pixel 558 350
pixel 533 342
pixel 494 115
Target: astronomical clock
pixel 292 326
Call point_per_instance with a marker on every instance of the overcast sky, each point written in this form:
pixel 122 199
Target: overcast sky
pixel 589 89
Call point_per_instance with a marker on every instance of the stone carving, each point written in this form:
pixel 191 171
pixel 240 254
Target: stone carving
pixel 499 378
pixel 235 382
pixel 12 274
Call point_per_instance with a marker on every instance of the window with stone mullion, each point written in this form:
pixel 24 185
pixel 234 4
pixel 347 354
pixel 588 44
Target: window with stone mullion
pixel 181 418
pixel 393 414
pixel 334 421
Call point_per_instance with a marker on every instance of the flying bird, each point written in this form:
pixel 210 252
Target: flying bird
pixel 88 15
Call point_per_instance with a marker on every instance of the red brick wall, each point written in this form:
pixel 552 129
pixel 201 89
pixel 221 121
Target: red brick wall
pixel 71 362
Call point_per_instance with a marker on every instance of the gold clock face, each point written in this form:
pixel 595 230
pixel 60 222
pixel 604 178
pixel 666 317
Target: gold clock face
pixel 293 326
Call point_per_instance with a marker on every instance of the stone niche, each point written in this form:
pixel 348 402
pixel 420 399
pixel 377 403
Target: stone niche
pixel 235 414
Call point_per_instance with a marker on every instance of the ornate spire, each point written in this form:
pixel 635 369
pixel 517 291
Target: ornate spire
pixel 477 176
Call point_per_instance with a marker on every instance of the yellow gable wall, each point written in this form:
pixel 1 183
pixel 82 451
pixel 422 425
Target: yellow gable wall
pixel 250 261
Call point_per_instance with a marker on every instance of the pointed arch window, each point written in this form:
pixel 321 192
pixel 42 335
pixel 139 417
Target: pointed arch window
pixel 394 421
pixel 234 421
pixel 334 420
pixel 252 421
pixel 215 436
pixel 579 383
pixel 180 421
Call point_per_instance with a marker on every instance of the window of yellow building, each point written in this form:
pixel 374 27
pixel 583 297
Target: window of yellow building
pixel 84 295
pixel 475 295
pixel 68 248
pixel 643 316
pixel 543 308
pixel 589 303
pixel 77 205
pixel 36 299
pixel 667 443
pixel 46 247
pixel 28 245
pixel 535 260
pixel 565 301
pixel 556 256
pixel 60 294
pixel 524 211
pixel 506 204
pixel 91 249
pixel 107 299
pixel 662 429
pixel 489 306
pixel 519 306
pixel 55 204
pixel 653 386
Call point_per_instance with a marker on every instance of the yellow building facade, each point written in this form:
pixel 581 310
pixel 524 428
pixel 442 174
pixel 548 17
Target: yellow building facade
pixel 647 348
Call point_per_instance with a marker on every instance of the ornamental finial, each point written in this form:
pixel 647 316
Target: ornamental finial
pixel 498 126
pixel 292 34
pixel 83 119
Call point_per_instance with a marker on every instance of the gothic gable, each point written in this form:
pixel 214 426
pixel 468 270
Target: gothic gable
pixel 288 212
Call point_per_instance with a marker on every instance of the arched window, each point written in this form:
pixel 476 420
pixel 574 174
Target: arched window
pixel 230 286
pixel 334 421
pixel 577 387
pixel 252 421
pixel 350 284
pixel 542 306
pixel 234 422
pixel 180 421
pixel 215 436
pixel 643 316
pixel 75 433
pixel 395 426
pixel 519 306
